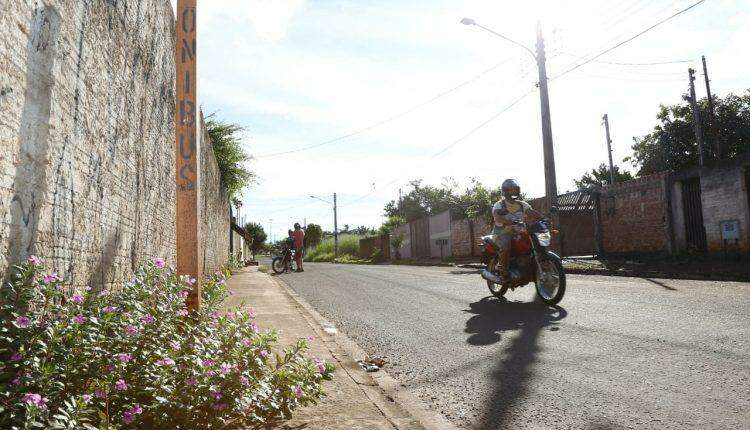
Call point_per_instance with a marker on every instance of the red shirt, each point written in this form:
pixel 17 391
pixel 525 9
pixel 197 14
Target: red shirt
pixel 299 238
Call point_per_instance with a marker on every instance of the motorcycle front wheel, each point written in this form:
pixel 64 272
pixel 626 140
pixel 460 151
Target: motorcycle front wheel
pixel 497 290
pixel 277 264
pixel 550 280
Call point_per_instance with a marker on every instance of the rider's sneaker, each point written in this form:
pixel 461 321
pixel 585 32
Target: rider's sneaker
pixel 300 270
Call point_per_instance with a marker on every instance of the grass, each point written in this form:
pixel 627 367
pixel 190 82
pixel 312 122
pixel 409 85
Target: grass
pixel 348 247
pixel 263 268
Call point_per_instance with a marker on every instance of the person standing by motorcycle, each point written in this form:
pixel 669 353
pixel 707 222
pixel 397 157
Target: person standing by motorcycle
pixel 299 244
pixel 508 213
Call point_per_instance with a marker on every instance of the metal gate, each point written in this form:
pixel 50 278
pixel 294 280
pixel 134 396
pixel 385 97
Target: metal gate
pixel 577 222
pixel 420 238
pixel 695 232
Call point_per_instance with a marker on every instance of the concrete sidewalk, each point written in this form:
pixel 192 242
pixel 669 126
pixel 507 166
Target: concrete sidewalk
pixel 353 398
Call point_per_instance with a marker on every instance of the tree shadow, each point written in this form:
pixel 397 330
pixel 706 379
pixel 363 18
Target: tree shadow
pixel 465 272
pixel 491 318
pixel 661 284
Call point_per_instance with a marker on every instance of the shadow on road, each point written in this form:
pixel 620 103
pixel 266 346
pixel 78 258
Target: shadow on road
pixel 659 283
pixel 491 318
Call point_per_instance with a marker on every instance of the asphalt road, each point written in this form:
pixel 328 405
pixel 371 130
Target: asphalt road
pixel 617 352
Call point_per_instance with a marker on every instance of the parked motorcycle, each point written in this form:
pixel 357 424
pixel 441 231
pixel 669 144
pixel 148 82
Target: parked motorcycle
pixel 531 261
pixel 284 262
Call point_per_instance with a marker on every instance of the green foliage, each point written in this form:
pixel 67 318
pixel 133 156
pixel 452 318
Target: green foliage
pixel 599 177
pixel 671 145
pixel 396 241
pixel 230 156
pixel 313 235
pixel 137 358
pixel 259 237
pixel 348 245
pixel 234 263
pixel 391 224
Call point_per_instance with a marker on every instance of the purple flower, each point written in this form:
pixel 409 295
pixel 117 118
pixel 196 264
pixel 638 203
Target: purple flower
pixel 310 338
pixel 220 406
pixel 165 362
pixel 226 368
pixel 148 318
pixel 86 398
pixel 207 363
pixel 120 385
pixel 191 281
pixel 36 400
pixel 175 345
pixel 51 277
pixel 16 381
pixel 16 356
pixel 100 393
pixel 87 288
pixel 216 394
pixel 109 309
pixel 190 381
pixel 184 294
pixel 246 342
pixel 130 330
pixel 23 322
pixel 103 293
pixel 215 314
pixel 183 312
pixel 77 298
pixel 129 415
pixel 320 364
pixel 79 319
pixel 124 357
pixel 158 262
pixel 298 390
pixel 35 261
pixel 244 380
pixel 251 312
pixel 264 353
pixel 210 373
pixel 254 327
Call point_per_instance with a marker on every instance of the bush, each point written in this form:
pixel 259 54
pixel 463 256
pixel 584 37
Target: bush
pixel 348 245
pixel 136 358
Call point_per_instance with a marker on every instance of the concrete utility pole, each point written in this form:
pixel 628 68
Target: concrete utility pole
pixel 696 116
pixel 712 112
pixel 187 150
pixel 609 150
pixel 550 177
pixel 335 229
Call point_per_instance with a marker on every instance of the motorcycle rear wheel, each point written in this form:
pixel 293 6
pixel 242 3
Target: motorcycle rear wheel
pixel 550 280
pixel 497 290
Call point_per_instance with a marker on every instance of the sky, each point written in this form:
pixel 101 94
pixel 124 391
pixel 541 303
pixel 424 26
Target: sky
pixel 421 96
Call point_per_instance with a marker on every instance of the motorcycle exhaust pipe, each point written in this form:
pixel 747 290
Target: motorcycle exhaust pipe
pixel 486 274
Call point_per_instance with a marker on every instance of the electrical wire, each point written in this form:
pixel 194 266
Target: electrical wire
pixel 612 48
pixel 614 63
pixel 391 118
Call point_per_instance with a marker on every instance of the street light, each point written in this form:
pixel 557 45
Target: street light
pixel 550 178
pixel 335 224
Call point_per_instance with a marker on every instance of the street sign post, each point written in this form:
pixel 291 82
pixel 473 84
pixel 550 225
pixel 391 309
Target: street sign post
pixel 187 150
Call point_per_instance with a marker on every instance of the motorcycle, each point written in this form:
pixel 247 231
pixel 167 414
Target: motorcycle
pixel 283 263
pixel 531 261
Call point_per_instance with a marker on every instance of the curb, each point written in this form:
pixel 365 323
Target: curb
pixel 383 390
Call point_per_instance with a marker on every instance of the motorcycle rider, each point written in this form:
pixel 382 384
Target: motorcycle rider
pixel 507 214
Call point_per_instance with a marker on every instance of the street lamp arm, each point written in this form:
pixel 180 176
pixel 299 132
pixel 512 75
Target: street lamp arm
pixel 322 200
pixel 468 21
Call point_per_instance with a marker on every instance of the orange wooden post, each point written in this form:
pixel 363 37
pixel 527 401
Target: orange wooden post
pixel 187 150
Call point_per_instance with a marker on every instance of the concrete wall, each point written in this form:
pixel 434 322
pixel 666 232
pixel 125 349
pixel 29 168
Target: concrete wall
pixel 724 198
pixel 87 139
pixel 634 216
pixel 440 231
pixel 461 238
pixel 405 249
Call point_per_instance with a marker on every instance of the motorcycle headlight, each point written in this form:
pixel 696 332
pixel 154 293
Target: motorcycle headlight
pixel 544 238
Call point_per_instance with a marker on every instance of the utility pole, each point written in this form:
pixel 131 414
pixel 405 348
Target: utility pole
pixel 400 204
pixel 712 112
pixel 187 150
pixel 696 116
pixel 270 229
pixel 550 178
pixel 609 150
pixel 335 229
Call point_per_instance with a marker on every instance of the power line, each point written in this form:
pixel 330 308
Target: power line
pixel 452 144
pixel 610 49
pixel 391 118
pixel 655 63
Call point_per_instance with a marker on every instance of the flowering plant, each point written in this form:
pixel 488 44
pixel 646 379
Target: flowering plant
pixel 137 358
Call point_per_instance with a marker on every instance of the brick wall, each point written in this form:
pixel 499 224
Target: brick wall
pixel 633 216
pixel 724 198
pixel 369 245
pixel 461 240
pixel 87 139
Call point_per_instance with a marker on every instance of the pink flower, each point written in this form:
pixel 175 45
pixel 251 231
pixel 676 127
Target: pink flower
pixel 251 312
pixel 86 398
pixel 120 385
pixel 254 327
pixel 244 380
pixel 215 314
pixel 79 319
pixel 207 363
pixel 310 338
pixel 246 342
pixel 183 312
pixel 124 357
pixel 165 362
pixel 109 309
pixel 87 288
pixel 175 345
pixel 148 319
pixel 216 394
pixel 35 261
pixel 103 293
pixel 129 415
pixel 210 373
pixel 264 353
pixel 51 277
pixel 130 330
pixel 298 390
pixel 184 294
pixel 100 394
pixel 190 381
pixel 226 368
pixel 36 400
pixel 23 322
pixel 191 281
pixel 320 364
pixel 158 262
pixel 77 298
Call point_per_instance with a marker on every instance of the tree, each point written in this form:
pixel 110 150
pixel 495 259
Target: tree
pixel 671 145
pixel 313 235
pixel 363 230
pixel 391 224
pixel 600 176
pixel 230 155
pixel 259 237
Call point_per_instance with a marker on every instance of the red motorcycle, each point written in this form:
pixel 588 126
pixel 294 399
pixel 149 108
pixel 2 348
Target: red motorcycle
pixel 531 261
